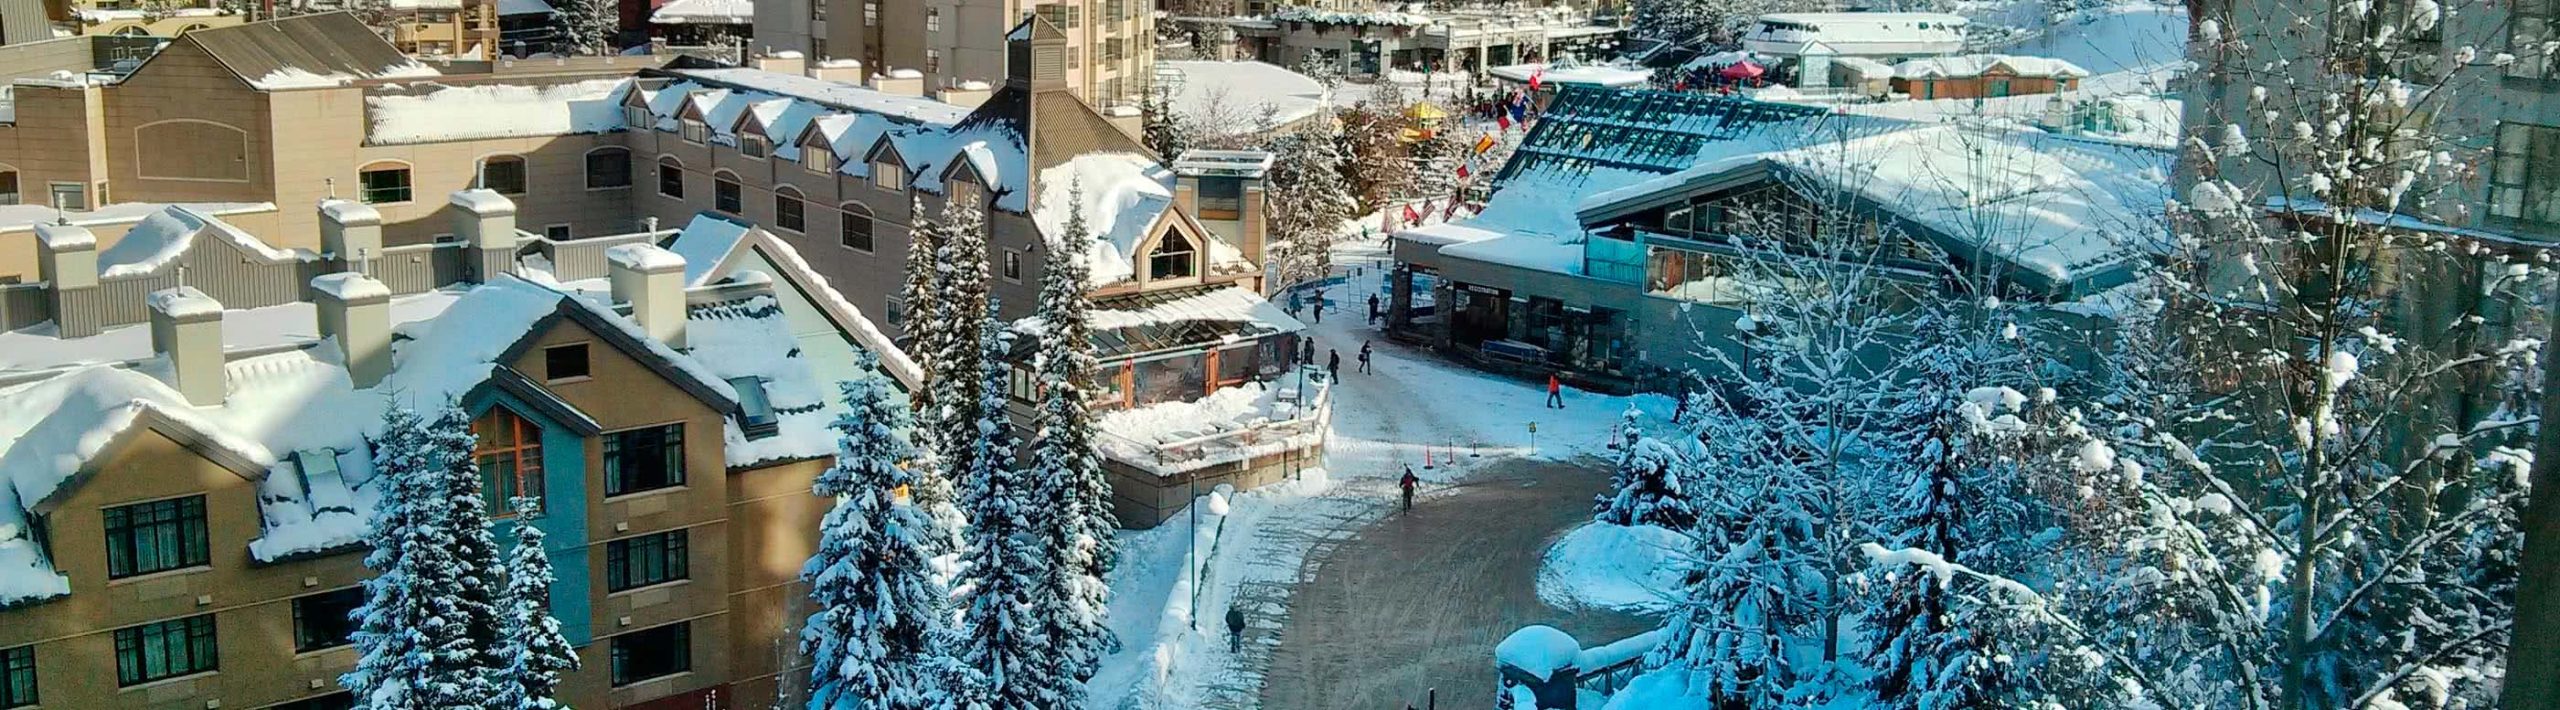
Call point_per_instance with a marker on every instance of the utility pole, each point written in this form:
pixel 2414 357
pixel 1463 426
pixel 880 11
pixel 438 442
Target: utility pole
pixel 2533 654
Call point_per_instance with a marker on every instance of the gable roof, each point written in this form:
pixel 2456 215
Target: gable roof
pixel 714 247
pixel 307 51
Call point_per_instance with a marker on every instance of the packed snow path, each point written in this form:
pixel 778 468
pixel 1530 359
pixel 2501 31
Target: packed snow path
pixel 1418 600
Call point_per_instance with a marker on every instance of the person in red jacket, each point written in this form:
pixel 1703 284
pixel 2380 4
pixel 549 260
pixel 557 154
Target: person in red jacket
pixel 1555 392
pixel 1408 483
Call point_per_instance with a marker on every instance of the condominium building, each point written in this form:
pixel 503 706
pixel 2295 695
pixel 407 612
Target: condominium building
pixel 1110 43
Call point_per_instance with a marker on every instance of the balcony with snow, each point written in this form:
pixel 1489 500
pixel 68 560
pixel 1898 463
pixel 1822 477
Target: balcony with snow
pixel 1247 435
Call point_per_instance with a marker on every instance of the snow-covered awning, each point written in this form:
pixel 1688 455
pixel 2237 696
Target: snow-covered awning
pixel 705 12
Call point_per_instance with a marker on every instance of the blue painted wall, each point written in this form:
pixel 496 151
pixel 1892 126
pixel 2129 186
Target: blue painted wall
pixel 564 515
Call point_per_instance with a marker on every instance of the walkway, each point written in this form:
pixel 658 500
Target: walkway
pixel 1417 601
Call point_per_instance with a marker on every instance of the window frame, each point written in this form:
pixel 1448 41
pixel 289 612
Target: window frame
pixel 790 210
pixel 196 635
pixel 551 366
pixel 624 174
pixel 18 686
pixel 407 190
pixel 670 167
pixel 762 147
pixel 16 185
pixel 303 641
pixel 853 213
pixel 523 448
pixel 1190 253
pixel 889 175
pixel 639 118
pixel 618 482
pixel 693 131
pixel 628 562
pixel 2525 17
pixel 818 161
pixel 676 638
pixel 191 553
pixel 728 194
pixel 524 175
pixel 1013 265
pixel 2517 174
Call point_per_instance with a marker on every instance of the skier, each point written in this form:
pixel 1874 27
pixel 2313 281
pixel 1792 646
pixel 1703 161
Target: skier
pixel 1373 309
pixel 1555 392
pixel 1364 359
pixel 1332 365
pixel 1235 629
pixel 1408 483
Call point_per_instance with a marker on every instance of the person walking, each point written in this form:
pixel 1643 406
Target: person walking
pixel 1408 483
pixel 1307 351
pixel 1373 309
pixel 1318 305
pixel 1235 628
pixel 1364 359
pixel 1555 392
pixel 1295 302
pixel 1332 365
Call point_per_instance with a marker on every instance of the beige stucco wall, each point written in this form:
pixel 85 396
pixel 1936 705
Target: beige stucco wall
pixel 18 252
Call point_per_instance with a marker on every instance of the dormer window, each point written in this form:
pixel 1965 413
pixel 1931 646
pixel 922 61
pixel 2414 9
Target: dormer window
pixel 751 146
pixel 694 131
pixel 888 174
pixel 638 118
pixel 1172 259
pixel 817 160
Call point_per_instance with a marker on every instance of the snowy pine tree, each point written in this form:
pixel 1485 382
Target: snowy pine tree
pixel 479 581
pixel 1165 129
pixel 414 641
pixel 1006 567
pixel 930 331
pixel 1644 489
pixel 1066 469
pixel 1309 201
pixel 877 637
pixel 586 28
pixel 530 644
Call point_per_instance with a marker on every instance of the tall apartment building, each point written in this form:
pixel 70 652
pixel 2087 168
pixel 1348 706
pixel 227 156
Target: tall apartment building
pixel 1110 43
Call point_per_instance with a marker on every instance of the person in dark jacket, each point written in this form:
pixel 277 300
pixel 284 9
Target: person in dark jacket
pixel 1373 309
pixel 1235 629
pixel 1364 359
pixel 1332 365
pixel 1408 483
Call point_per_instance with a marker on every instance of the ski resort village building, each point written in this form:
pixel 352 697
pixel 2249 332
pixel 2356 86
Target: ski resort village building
pixel 1607 250
pixel 640 282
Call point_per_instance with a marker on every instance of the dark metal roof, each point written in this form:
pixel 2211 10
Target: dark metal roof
pixel 326 44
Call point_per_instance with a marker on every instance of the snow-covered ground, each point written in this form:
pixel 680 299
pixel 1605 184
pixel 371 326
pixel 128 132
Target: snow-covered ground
pixel 1614 567
pixel 1413 404
pixel 2132 50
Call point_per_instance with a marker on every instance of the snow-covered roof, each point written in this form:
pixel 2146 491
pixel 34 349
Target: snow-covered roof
pixel 705 12
pixel 1979 64
pixel 1857 33
pixel 524 7
pixel 156 241
pixel 1122 194
pixel 1586 74
pixel 1321 16
pixel 1244 90
pixel 712 246
pixel 447 113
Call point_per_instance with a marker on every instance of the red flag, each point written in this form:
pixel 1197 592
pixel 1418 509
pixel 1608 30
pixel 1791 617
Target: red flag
pixel 1463 172
pixel 1536 78
pixel 1410 215
pixel 1449 211
pixel 1503 120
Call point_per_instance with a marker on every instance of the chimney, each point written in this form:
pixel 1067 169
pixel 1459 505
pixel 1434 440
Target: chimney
pixel 899 82
pixel 349 228
pixel 67 256
pixel 784 62
pixel 651 279
pixel 967 94
pixel 355 310
pixel 186 329
pixel 486 221
pixel 841 71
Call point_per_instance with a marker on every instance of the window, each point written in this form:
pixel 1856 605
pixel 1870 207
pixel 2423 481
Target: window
pixel 787 208
pixel 157 536
pixel 726 195
pixel 643 459
pixel 638 118
pixel 933 60
pixel 165 649
pixel 2524 178
pixel 509 451
pixel 932 23
pixel 1117 10
pixel 9 187
pixel 1064 15
pixel 385 183
pixel 503 174
pixel 608 168
pixel 817 160
pixel 870 14
pixel 325 620
pixel 1172 258
pixel 1012 266
pixel 2532 26
pixel 652 653
pixel 694 131
pixel 17 677
pixel 1221 198
pixel 751 146
pixel 888 174
pixel 756 418
pixel 671 178
pixel 73 196
pixel 556 232
pixel 1999 87
pixel 646 560
pixel 565 362
pixel 857 227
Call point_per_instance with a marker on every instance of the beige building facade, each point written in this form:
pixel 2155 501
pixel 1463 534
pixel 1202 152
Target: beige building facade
pixel 1110 43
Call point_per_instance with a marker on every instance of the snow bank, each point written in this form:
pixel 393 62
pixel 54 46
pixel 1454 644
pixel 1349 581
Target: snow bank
pixel 1538 650
pixel 1616 567
pixel 495 111
pixel 1666 688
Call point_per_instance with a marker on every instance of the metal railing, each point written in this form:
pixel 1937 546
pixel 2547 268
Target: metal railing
pixel 1311 418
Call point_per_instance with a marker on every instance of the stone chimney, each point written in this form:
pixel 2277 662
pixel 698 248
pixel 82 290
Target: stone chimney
pixel 186 329
pixel 486 222
pixel 651 279
pixel 349 228
pixel 784 62
pixel 899 82
pixel 841 71
pixel 355 310
pixel 967 94
pixel 67 257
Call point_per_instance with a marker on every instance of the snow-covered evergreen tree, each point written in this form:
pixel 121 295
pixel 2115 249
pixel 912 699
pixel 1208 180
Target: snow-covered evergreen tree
pixel 1374 161
pixel 1065 467
pixel 929 309
pixel 586 28
pixel 530 644
pixel 415 645
pixel 1309 201
pixel 1005 569
pixel 1164 128
pixel 1644 489
pixel 479 580
pixel 877 639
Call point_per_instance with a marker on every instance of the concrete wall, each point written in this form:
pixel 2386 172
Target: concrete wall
pixel 1141 499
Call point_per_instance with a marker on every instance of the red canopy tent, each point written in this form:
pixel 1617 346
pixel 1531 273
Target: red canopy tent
pixel 1740 71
